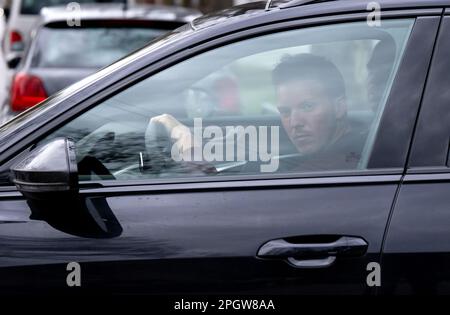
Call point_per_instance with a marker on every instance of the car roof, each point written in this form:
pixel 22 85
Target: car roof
pixel 113 11
pixel 310 7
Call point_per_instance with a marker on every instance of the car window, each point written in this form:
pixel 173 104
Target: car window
pixel 93 47
pixel 307 100
pixel 33 7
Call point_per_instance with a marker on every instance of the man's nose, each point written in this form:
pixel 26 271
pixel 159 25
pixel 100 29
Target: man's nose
pixel 297 119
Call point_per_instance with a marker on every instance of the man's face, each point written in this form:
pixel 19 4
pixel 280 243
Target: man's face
pixel 308 114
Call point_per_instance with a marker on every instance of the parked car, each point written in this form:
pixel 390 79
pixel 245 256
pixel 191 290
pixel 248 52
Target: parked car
pixel 5 4
pixel 3 68
pixel 61 54
pixel 23 16
pixel 359 142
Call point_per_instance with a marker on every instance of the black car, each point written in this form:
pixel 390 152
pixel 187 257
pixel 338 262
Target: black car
pixel 287 147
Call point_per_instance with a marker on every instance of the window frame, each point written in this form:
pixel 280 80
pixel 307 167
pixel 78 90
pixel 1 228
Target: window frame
pixel 435 105
pixel 116 87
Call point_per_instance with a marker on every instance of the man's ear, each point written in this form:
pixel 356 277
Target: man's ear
pixel 341 107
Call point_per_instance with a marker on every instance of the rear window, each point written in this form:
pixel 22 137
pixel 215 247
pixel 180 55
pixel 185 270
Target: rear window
pixel 88 47
pixel 35 6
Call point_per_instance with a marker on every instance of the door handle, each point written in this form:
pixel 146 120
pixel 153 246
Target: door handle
pixel 312 255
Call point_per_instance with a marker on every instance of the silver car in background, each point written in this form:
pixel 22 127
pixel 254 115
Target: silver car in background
pixel 61 54
pixel 23 17
pixel 3 68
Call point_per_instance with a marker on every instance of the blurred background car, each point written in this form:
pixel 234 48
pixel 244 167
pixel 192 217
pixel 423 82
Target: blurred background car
pixel 23 16
pixel 3 68
pixel 23 22
pixel 5 5
pixel 60 55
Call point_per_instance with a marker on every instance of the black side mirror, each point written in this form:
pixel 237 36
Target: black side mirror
pixel 48 179
pixel 13 61
pixel 48 171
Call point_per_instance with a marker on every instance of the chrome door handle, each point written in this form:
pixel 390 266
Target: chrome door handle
pixel 309 255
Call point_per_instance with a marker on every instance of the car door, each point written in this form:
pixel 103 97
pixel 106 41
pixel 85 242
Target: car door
pixel 225 223
pixel 416 252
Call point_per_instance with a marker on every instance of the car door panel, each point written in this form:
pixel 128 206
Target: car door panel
pixel 205 237
pixel 416 253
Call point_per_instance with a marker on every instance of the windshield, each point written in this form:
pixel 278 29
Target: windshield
pixel 34 6
pixel 88 47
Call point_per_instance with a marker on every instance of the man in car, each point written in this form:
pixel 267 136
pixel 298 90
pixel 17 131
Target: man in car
pixel 313 110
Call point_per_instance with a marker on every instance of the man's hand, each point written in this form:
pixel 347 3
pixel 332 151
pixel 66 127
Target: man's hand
pixel 185 146
pixel 167 121
pixel 180 135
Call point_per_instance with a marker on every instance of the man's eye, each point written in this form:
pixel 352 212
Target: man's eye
pixel 308 106
pixel 284 111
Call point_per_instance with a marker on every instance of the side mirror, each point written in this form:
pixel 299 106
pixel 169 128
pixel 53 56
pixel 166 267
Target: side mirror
pixel 48 179
pixel 49 171
pixel 13 61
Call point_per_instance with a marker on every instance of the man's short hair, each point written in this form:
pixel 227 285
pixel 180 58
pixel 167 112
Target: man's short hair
pixel 306 66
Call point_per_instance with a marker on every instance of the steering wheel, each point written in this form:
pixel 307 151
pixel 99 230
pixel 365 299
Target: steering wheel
pixel 91 162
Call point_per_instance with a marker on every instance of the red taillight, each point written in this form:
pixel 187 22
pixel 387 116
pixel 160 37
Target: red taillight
pixel 26 91
pixel 15 39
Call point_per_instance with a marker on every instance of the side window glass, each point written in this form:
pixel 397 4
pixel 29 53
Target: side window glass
pixel 307 100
